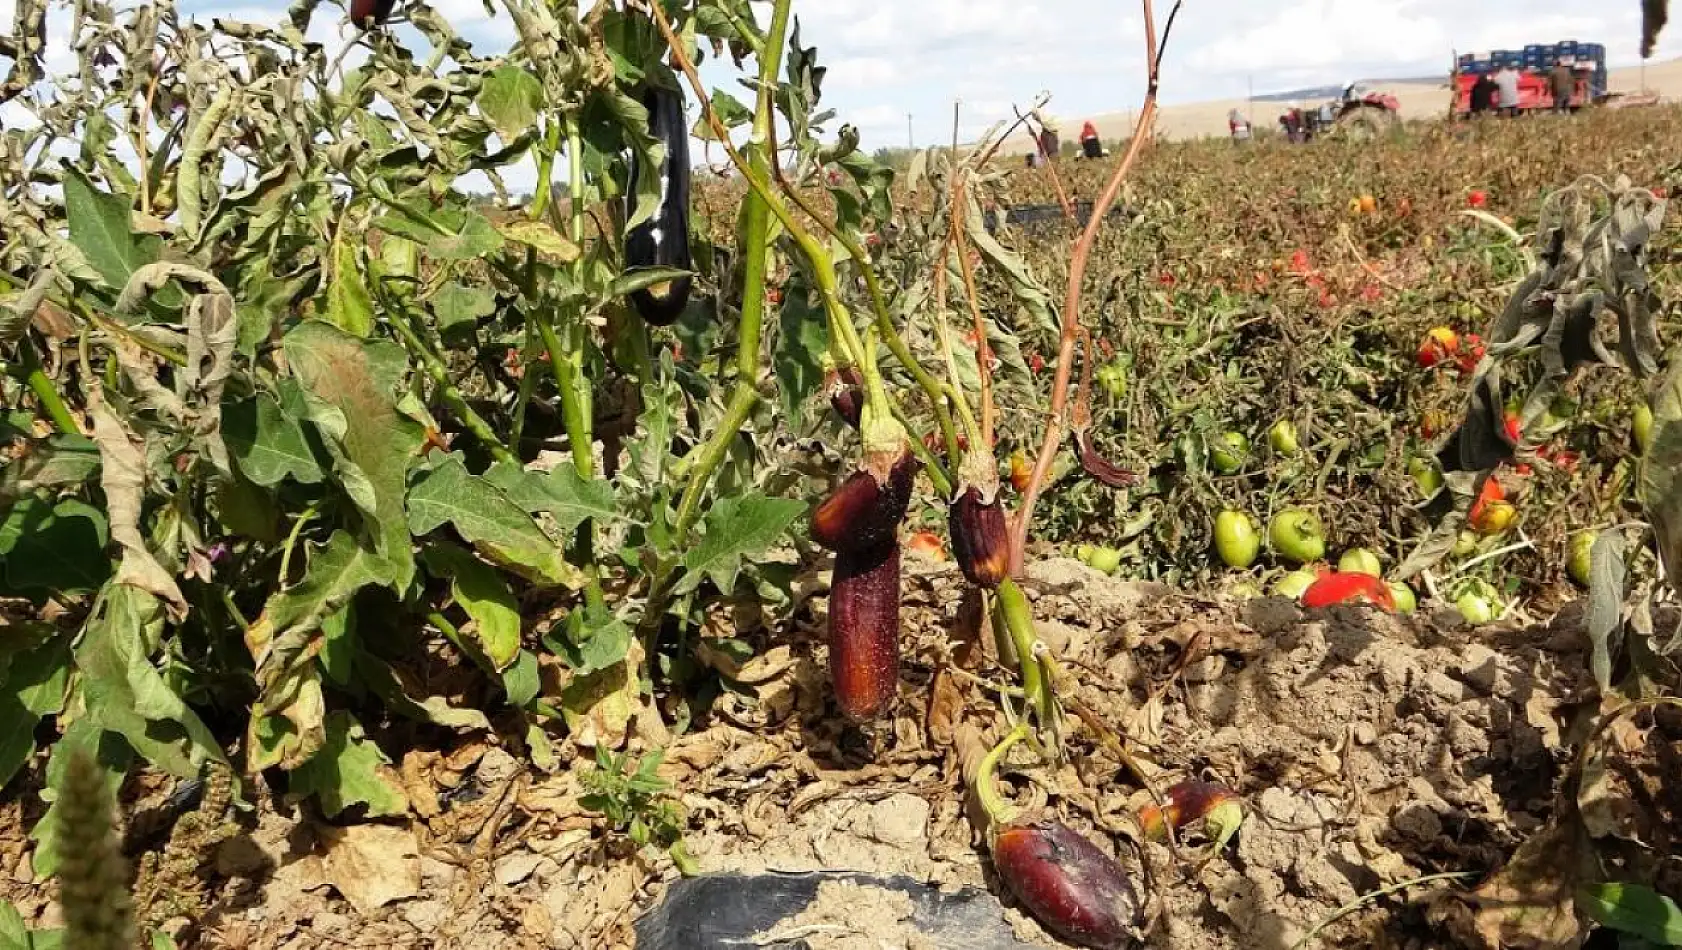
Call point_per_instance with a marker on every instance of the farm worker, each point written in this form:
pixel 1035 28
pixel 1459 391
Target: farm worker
pixel 1483 94
pixel 1089 143
pixel 1507 82
pixel 1564 85
pixel 1048 143
pixel 1238 126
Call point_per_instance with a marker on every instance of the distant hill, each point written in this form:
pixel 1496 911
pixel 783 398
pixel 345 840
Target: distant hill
pixel 1316 93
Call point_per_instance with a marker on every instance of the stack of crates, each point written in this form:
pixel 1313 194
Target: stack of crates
pixel 1540 58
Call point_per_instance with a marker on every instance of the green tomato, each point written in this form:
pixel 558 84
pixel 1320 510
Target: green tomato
pixel 1107 560
pixel 1084 553
pixel 1426 476
pixel 1293 585
pixel 1465 543
pixel 1282 438
pixel 1579 564
pixel 1474 609
pixel 1229 452
pixel 1360 561
pixel 1236 539
pixel 1296 535
pixel 1114 380
pixel 1406 602
pixel 1643 425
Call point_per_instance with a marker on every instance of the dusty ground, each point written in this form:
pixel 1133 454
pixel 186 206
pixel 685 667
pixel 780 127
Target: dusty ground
pixel 1369 750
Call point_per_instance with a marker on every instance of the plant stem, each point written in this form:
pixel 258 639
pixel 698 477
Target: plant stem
pixel 447 389
pixel 1011 611
pixel 45 392
pixel 757 223
pixel 1071 301
pixel 823 266
pixel 986 788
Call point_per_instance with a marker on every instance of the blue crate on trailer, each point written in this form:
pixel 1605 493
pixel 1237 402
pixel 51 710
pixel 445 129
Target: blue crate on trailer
pixel 1566 47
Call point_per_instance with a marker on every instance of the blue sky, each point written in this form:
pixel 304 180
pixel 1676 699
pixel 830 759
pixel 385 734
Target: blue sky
pixel 916 56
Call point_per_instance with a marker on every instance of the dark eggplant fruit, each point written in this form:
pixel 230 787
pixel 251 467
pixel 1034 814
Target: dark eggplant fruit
pixel 866 510
pixel 864 630
pixel 980 539
pixel 1071 887
pixel 368 14
pixel 663 240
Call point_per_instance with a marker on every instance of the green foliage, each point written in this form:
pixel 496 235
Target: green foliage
pixel 635 801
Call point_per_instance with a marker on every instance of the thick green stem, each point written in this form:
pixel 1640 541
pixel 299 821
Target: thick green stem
pixel 449 392
pixel 757 222
pixel 35 377
pixel 545 167
pixel 1011 611
pixel 985 784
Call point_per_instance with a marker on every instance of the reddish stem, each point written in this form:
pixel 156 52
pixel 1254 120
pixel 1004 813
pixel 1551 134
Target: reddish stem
pixel 1071 302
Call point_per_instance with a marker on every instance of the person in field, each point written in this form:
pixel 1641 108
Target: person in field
pixel 1506 82
pixel 1483 94
pixel 1090 145
pixel 1238 126
pixel 1564 83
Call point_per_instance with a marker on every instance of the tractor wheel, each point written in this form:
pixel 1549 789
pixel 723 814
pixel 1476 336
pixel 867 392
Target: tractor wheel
pixel 1366 123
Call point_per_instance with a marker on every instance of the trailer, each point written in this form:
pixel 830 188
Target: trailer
pixel 1534 64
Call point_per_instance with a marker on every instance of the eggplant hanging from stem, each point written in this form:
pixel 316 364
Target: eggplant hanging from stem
pixel 663 240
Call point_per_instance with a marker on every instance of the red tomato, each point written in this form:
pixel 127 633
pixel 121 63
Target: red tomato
pixel 1439 345
pixel 1334 587
pixel 1299 262
pixel 928 544
pixel 1510 426
pixel 1477 199
pixel 1036 362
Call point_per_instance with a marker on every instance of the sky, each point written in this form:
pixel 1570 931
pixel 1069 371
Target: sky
pixel 888 60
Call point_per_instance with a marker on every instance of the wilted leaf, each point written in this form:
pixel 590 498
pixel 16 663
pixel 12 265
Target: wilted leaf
pixel 349 386
pixel 56 462
pixel 1530 903
pixel 384 682
pixel 599 707
pixel 509 98
pixel 54 547
pixel 372 865
pixel 1660 484
pixel 349 305
pixel 348 770
pixel 735 529
pixel 541 237
pixel 484 595
pixel 1606 604
pixel 128 695
pixel 486 517
pixel 287 635
pixel 122 476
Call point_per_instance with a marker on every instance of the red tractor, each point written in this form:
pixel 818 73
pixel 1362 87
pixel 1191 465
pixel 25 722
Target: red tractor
pixel 1360 113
